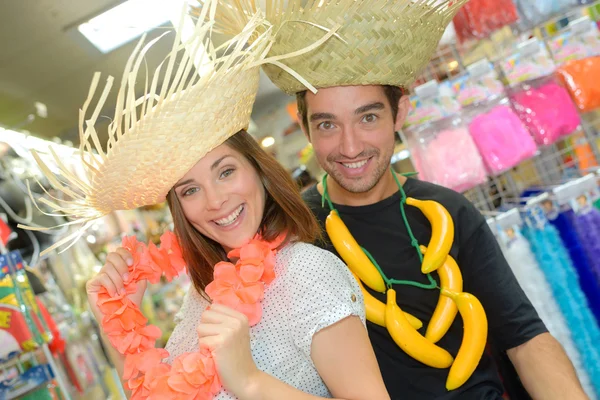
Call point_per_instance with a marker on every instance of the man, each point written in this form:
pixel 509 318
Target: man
pixel 351 122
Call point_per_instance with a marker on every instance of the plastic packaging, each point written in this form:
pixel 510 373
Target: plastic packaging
pixel 532 280
pixel 579 39
pixel 546 109
pixel 581 78
pixel 444 153
pixel 502 139
pixel 534 12
pixel 557 267
pixel 478 19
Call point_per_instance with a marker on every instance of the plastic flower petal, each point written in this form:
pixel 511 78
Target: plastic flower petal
pixel 142 362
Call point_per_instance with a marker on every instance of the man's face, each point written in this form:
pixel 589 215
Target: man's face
pixel 352 131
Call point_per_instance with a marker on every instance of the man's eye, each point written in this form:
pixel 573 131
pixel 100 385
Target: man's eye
pixel 325 125
pixel 370 118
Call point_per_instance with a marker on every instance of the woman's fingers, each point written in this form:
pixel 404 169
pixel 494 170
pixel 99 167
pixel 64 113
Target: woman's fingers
pixel 210 342
pixel 115 276
pixel 205 330
pixel 118 262
pixel 125 255
pixel 102 280
pixel 228 311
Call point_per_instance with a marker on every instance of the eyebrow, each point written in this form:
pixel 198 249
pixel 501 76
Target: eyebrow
pixel 370 107
pixel 321 116
pixel 212 167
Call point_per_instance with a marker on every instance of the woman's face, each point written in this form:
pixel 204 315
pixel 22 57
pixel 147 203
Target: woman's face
pixel 223 197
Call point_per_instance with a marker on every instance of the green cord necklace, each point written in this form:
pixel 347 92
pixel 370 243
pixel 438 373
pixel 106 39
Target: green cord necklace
pixel 389 282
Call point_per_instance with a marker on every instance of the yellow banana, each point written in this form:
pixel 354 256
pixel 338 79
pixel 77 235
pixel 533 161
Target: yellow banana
pixel 376 309
pixel 351 253
pixel 474 339
pixel 442 232
pixel 445 311
pixel 411 341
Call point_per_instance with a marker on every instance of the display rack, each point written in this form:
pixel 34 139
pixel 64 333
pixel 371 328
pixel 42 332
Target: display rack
pixel 569 158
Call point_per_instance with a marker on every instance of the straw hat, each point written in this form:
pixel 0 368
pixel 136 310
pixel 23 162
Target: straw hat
pixel 154 140
pixel 383 42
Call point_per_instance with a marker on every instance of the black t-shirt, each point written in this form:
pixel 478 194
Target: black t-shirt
pixel 512 320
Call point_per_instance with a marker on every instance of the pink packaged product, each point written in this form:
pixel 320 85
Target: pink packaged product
pixel 546 109
pixel 502 139
pixel 444 153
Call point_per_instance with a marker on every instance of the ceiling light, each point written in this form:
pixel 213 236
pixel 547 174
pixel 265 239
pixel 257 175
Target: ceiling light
pixel 126 22
pixel 268 141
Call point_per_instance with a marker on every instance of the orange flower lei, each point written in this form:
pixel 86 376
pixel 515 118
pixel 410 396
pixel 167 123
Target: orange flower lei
pixel 192 375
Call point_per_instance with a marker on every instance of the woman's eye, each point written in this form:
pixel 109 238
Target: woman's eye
pixel 370 118
pixel 227 172
pixel 190 191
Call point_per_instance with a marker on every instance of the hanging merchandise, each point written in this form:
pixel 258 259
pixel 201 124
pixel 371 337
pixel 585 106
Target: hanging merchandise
pixel 444 153
pixel 478 19
pixel 517 252
pixel 479 84
pixel 586 219
pixel 579 39
pixel 561 216
pixel 442 149
pixel 546 108
pixel 20 327
pixel 431 102
pixel 534 12
pixel 581 78
pixel 560 274
pixel 502 139
pixel 541 103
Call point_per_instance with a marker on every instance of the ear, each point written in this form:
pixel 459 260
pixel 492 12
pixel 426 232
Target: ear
pixel 403 109
pixel 304 128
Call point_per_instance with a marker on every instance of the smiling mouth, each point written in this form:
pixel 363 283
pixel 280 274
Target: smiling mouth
pixel 355 165
pixel 231 218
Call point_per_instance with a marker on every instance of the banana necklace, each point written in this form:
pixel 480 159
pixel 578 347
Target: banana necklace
pixel 402 326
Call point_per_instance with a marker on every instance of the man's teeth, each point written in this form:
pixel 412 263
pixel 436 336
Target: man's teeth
pixel 356 164
pixel 231 218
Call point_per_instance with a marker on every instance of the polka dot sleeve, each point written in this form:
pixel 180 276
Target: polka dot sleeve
pixel 321 291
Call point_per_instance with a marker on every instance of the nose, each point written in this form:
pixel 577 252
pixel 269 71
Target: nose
pixel 215 197
pixel 351 145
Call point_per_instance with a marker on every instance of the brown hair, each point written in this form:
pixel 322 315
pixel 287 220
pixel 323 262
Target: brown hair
pixel 285 211
pixel 393 94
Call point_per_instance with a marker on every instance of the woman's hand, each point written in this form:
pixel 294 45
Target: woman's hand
pixel 111 277
pixel 226 333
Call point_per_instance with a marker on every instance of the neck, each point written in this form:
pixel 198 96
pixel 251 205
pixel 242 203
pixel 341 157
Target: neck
pixel 383 189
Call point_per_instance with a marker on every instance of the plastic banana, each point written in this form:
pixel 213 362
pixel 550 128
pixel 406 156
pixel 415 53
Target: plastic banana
pixel 474 339
pixel 375 309
pixel 442 232
pixel 411 341
pixel 351 253
pixel 446 309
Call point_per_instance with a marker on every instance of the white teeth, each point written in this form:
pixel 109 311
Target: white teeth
pixel 231 218
pixel 356 164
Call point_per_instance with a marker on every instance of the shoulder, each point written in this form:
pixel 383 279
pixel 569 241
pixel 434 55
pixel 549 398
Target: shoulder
pixel 313 200
pixel 305 264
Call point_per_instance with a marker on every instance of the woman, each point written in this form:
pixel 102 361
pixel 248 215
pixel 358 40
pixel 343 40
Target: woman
pixel 311 336
pixel 188 145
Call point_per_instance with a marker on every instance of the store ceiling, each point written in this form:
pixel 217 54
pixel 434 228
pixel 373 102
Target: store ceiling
pixel 43 58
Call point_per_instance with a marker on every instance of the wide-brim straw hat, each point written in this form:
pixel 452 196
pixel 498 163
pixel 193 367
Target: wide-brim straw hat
pixel 194 101
pixel 380 42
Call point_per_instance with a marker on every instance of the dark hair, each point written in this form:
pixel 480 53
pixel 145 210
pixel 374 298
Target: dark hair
pixel 285 211
pixel 393 94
